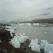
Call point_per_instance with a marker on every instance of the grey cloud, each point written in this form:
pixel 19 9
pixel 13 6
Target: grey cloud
pixel 11 10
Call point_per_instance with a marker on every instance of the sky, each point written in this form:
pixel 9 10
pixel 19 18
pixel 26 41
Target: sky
pixel 23 10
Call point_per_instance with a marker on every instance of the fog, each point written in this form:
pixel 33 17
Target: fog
pixel 24 10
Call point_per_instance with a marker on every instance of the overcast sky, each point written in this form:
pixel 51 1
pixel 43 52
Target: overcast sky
pixel 25 9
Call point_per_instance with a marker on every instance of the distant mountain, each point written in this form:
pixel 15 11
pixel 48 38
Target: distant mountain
pixel 49 20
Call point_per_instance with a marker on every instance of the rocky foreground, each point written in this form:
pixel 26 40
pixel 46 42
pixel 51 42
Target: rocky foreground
pixel 13 43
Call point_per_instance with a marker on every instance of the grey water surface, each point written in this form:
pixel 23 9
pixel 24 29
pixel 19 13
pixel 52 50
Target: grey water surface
pixel 42 33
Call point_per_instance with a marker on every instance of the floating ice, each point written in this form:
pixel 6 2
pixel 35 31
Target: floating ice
pixel 50 52
pixel 48 48
pixel 34 45
pixel 17 40
pixel 23 38
pixel 43 44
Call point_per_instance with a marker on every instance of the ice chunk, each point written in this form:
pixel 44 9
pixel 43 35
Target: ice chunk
pixel 11 34
pixel 43 44
pixel 34 45
pixel 48 48
pixel 10 28
pixel 17 40
pixel 50 52
pixel 23 38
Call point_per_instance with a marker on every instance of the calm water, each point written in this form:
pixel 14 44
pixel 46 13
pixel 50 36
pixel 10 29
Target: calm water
pixel 36 32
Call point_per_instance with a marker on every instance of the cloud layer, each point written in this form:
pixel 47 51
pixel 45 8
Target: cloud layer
pixel 25 10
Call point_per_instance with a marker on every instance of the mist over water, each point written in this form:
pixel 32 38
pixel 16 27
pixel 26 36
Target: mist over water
pixel 42 33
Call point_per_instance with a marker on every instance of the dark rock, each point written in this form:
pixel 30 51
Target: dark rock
pixel 42 50
pixel 5 35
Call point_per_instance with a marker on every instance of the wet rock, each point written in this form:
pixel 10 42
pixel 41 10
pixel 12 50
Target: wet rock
pixel 5 35
pixel 42 50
